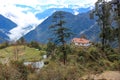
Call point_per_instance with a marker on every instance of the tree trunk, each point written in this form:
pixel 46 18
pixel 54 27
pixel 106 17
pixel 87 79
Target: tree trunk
pixel 103 29
pixel 119 35
pixel 64 54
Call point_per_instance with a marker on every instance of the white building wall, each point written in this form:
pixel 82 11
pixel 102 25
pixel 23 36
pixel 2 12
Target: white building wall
pixel 88 44
pixel 76 44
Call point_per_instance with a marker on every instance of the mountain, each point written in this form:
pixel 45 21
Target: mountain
pixel 5 26
pixel 50 11
pixel 29 19
pixel 77 23
pixel 92 33
pixel 3 37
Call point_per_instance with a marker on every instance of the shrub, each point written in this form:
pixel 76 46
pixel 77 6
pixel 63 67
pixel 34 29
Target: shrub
pixel 114 57
pixel 9 73
pixel 93 54
pixel 4 45
pixel 34 44
pixel 32 76
pixel 56 71
pixel 20 68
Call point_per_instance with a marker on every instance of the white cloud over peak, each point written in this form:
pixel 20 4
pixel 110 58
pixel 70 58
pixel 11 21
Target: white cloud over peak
pixel 22 12
pixel 22 19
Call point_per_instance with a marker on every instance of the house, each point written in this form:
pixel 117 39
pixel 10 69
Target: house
pixel 81 42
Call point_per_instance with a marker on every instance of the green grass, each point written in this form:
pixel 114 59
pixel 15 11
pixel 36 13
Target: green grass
pixel 26 54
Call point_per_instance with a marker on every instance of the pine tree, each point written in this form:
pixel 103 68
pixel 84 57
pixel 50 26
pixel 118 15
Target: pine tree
pixel 102 11
pixel 50 47
pixel 60 32
pixel 116 10
pixel 22 40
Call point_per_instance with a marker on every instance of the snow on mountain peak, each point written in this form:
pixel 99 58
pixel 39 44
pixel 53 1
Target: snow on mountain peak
pixel 22 20
pixel 23 12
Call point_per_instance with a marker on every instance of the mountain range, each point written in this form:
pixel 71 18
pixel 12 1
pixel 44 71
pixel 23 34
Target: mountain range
pixel 79 23
pixel 5 26
pixel 50 11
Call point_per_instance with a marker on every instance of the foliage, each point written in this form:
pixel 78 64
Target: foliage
pixel 9 73
pixel 109 21
pixel 80 61
pixel 50 48
pixel 4 45
pixel 34 44
pixel 102 11
pixel 15 71
pixel 116 17
pixel 18 65
pixel 21 41
pixel 54 71
pixel 62 33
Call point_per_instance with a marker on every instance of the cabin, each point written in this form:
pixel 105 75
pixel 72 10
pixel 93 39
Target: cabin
pixel 81 42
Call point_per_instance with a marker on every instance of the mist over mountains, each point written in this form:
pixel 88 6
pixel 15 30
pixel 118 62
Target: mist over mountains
pixel 79 22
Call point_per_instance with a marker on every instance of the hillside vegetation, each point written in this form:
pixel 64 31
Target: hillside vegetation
pixel 21 53
pixel 80 61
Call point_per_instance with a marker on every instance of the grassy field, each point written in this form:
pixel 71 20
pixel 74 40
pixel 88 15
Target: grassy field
pixel 20 53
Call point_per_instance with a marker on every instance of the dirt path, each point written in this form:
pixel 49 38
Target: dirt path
pixel 107 75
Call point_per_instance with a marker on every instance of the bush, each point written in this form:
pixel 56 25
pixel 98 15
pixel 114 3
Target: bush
pixel 34 44
pixel 20 68
pixel 4 45
pixel 82 56
pixel 114 57
pixel 56 71
pixel 93 54
pixel 9 73
pixel 32 76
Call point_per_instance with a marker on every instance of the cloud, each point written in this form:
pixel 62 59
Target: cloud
pixel 37 4
pixel 21 30
pixel 76 12
pixel 23 12
pixel 22 19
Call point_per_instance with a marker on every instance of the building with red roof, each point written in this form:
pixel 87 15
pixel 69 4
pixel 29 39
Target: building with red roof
pixel 81 42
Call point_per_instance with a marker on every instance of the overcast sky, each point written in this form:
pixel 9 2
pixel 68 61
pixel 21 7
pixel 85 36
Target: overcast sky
pixel 23 12
pixel 41 5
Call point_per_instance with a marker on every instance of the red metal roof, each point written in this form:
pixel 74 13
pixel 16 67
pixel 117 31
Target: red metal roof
pixel 80 40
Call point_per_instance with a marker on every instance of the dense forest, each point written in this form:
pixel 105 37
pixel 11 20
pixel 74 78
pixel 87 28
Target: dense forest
pixel 65 60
